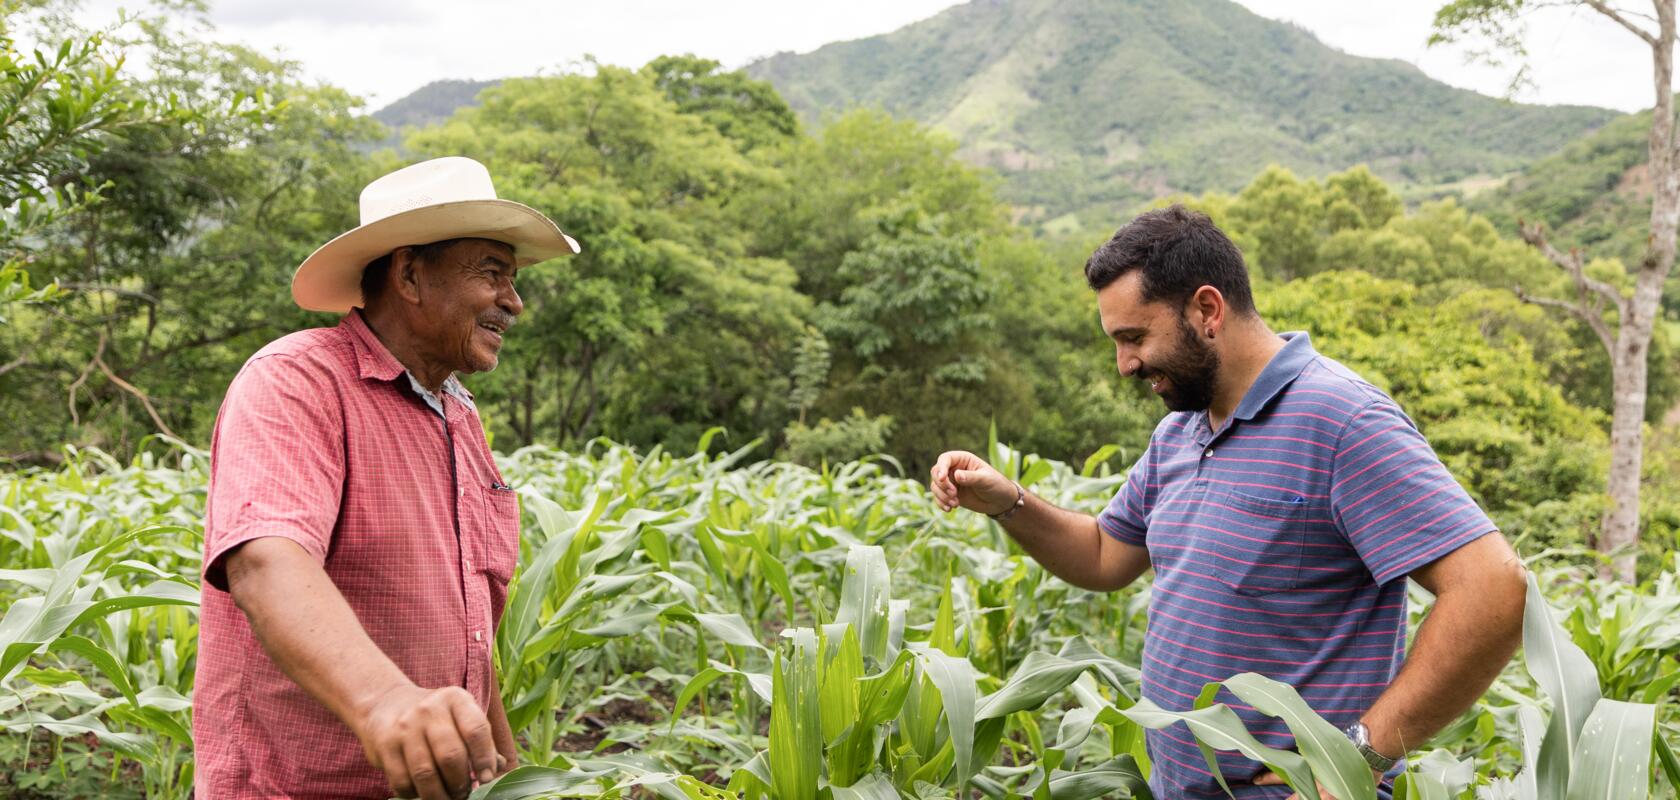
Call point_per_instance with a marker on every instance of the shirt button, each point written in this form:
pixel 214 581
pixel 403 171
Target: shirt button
pixel 478 636
pixel 1208 453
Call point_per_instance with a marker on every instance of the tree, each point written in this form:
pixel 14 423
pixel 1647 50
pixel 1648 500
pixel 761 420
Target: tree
pixel 664 325
pixel 745 110
pixel 57 107
pixel 1623 321
pixel 209 200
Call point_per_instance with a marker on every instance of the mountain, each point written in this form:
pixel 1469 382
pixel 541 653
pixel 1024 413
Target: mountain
pixel 1096 105
pixel 430 104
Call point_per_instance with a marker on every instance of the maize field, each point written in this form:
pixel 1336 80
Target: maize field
pixel 703 627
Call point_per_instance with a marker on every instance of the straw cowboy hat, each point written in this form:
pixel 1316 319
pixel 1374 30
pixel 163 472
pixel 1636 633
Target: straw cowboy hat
pixel 445 198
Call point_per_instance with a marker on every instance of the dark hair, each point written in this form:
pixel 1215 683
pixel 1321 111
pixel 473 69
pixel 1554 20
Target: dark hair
pixel 377 270
pixel 1178 251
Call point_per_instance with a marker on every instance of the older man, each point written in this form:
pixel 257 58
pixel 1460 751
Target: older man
pixel 358 537
pixel 1281 506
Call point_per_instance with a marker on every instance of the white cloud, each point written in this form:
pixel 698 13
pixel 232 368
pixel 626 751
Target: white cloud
pixel 261 13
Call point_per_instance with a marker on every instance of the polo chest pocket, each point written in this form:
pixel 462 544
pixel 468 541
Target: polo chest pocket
pixel 1256 544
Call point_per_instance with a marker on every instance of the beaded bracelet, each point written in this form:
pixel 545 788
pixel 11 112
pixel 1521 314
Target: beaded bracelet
pixel 1020 500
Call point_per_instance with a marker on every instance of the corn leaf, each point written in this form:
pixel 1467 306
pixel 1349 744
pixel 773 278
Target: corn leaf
pixel 1613 758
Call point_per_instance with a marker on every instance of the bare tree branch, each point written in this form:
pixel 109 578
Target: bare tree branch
pixel 1572 263
pixel 1604 8
pixel 16 362
pixel 134 390
pixel 76 385
pixel 117 290
pixel 1593 319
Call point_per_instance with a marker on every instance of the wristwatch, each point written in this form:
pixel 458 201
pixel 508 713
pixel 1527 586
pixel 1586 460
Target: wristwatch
pixel 1361 738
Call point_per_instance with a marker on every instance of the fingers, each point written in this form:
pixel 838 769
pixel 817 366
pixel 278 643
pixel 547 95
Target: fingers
pixel 949 475
pixel 422 771
pixel 389 759
pixel 473 728
pixel 449 754
pixel 1269 779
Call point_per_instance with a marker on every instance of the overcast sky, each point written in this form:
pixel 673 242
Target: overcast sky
pixel 384 49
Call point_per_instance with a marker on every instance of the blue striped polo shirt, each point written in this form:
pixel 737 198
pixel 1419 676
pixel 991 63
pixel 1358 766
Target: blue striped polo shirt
pixel 1279 544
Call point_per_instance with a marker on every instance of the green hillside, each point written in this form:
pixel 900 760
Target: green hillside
pixel 1098 104
pixel 1594 193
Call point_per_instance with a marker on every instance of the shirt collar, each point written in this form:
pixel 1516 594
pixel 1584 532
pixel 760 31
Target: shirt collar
pixel 1282 370
pixel 374 361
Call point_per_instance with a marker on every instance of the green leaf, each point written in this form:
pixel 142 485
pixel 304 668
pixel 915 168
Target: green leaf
pixel 796 743
pixel 1217 727
pixel 1118 777
pixel 1613 757
pixel 527 782
pixel 1335 762
pixel 954 677
pixel 101 659
pixel 865 593
pixel 1568 677
pixel 874 786
pixel 731 629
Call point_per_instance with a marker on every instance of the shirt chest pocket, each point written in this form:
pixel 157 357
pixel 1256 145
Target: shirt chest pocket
pixel 1255 544
pixel 496 545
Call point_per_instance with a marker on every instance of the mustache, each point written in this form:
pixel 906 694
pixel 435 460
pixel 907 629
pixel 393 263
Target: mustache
pixel 500 319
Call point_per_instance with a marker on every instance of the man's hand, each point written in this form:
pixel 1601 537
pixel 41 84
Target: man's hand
pixel 1273 779
pixel 964 479
pixel 431 743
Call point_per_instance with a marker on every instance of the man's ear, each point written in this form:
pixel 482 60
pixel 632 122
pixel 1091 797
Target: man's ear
pixel 405 274
pixel 1206 311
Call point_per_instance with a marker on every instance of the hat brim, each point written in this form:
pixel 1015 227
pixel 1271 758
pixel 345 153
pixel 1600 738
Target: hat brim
pixel 330 279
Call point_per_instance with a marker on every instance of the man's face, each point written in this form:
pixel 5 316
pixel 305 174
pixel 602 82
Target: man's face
pixel 1155 343
pixel 467 303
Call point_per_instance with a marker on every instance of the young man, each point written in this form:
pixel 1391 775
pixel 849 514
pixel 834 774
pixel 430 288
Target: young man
pixel 1282 504
pixel 358 537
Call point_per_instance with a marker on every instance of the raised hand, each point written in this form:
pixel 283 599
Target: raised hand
pixel 961 478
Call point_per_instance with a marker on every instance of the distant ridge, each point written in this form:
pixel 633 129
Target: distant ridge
pixel 1089 107
pixel 1099 104
pixel 431 104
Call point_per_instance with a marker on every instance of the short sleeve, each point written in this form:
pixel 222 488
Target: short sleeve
pixel 1123 518
pixel 1394 499
pixel 276 462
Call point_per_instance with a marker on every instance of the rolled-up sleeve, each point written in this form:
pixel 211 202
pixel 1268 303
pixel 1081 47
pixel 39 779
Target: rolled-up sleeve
pixel 277 462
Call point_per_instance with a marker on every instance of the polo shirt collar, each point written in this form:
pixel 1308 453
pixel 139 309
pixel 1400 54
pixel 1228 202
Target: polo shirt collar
pixel 374 361
pixel 1282 370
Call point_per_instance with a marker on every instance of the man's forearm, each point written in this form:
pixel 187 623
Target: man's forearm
pixel 1461 647
pixel 1072 547
pixel 307 628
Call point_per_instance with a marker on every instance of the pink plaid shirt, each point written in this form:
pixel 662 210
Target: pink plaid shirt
pixel 322 440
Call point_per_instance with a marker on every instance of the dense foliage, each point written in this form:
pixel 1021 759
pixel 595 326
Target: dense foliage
pixel 687 623
pixel 830 294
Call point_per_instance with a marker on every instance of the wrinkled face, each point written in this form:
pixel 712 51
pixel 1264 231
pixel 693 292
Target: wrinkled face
pixel 467 301
pixel 1154 342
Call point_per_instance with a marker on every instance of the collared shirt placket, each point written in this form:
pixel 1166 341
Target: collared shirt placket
pixel 475 603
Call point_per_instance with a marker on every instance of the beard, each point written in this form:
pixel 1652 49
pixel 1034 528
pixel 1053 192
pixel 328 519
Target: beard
pixel 1191 370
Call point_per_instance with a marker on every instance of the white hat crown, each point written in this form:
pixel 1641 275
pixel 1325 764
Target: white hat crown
pixel 441 180
pixel 444 198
